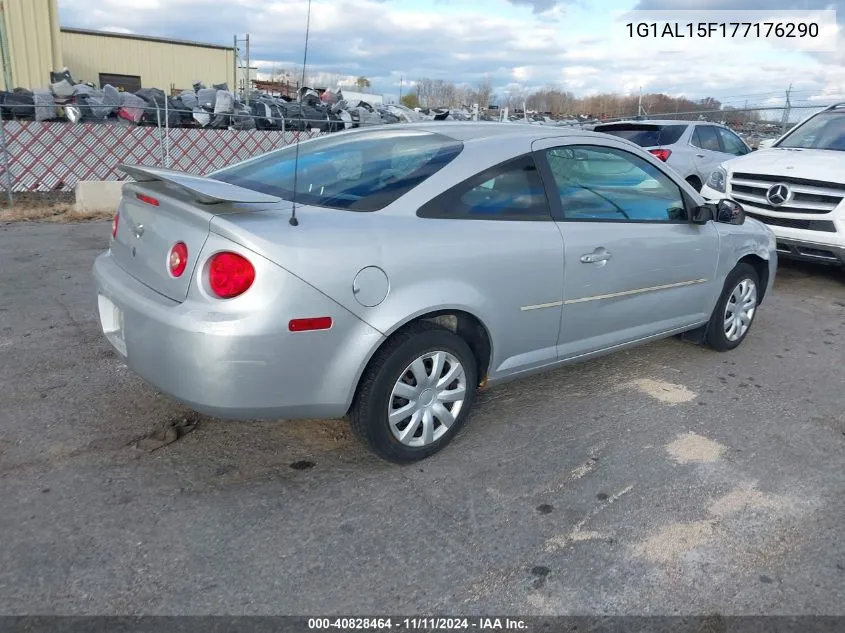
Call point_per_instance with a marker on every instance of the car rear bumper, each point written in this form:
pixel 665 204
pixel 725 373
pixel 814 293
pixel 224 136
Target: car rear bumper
pixel 235 365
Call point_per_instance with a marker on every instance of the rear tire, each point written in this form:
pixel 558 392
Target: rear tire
pixel 415 394
pixel 735 311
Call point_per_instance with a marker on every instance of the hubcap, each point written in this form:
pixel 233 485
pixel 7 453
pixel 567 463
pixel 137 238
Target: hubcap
pixel 427 398
pixel 740 309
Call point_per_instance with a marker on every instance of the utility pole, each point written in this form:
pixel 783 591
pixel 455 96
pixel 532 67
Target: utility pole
pixel 235 64
pixel 246 85
pixel 640 103
pixel 786 111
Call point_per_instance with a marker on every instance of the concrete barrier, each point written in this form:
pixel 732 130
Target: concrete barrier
pixel 97 195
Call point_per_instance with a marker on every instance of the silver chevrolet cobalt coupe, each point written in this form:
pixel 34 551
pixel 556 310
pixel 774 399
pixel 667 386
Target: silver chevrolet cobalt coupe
pixel 386 274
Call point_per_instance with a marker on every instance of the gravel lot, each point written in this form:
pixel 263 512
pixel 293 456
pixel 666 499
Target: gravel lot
pixel 667 479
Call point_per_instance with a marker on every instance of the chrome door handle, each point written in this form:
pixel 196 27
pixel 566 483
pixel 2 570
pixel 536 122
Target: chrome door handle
pixel 699 155
pixel 594 258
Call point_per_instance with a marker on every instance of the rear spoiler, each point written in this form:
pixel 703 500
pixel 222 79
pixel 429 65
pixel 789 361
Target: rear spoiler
pixel 207 190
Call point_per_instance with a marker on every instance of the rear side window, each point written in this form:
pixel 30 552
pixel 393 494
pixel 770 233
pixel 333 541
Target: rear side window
pixel 645 135
pixel 357 172
pixel 707 137
pixel 510 191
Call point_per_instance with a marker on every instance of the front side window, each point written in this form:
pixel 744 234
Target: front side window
pixel 706 137
pixel 357 172
pixel 733 144
pixel 511 191
pixel 604 183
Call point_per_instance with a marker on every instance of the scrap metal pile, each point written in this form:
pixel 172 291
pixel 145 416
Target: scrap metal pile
pixel 202 107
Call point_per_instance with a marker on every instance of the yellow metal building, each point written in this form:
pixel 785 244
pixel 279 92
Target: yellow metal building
pixel 32 44
pixel 29 42
pixel 152 62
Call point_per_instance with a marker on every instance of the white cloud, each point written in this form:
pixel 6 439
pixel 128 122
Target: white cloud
pixel 518 44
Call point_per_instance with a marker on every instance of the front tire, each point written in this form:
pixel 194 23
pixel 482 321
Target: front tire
pixel 415 394
pixel 734 312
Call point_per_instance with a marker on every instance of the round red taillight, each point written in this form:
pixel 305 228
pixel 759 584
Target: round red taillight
pixel 114 225
pixel 178 259
pixel 230 275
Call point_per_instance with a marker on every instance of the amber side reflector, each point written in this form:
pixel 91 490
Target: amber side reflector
pixel 308 325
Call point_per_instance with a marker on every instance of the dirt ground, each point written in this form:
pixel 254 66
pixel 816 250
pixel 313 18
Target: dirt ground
pixel 50 207
pixel 664 480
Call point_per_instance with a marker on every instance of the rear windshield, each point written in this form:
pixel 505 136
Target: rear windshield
pixel 359 172
pixel 645 135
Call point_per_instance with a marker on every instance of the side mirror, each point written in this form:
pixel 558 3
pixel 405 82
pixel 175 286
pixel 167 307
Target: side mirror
pixel 702 214
pixel 730 212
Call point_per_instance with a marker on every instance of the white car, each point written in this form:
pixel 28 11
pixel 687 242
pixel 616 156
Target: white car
pixel 691 148
pixel 797 187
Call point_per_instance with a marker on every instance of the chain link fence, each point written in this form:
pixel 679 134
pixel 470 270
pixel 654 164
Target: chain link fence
pixel 53 156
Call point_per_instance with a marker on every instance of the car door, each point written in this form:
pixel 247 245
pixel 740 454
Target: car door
pixel 634 265
pixel 708 151
pixel 494 232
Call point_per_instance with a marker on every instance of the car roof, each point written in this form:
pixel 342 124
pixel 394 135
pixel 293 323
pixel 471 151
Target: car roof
pixel 477 130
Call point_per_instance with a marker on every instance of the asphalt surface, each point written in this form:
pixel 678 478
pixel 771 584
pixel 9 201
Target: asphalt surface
pixel 668 479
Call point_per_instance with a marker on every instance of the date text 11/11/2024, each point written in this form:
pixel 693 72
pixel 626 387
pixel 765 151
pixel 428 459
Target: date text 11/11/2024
pixel 723 29
pixel 420 623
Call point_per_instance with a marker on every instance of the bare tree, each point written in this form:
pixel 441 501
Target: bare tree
pixel 516 97
pixel 483 93
pixel 551 100
pixel 438 93
pixel 410 100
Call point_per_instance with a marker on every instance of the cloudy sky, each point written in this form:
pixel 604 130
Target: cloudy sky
pixel 576 45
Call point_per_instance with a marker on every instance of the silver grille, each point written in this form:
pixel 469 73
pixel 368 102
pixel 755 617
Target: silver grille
pixel 805 196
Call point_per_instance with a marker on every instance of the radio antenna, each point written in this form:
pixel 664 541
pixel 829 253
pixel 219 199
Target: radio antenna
pixel 293 221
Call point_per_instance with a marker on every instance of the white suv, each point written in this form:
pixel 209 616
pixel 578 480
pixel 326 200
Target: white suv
pixel 797 187
pixel 691 148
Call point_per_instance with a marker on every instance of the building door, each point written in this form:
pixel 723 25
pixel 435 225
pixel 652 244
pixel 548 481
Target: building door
pixel 127 83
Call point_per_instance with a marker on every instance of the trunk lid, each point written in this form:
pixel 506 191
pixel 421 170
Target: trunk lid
pixel 186 204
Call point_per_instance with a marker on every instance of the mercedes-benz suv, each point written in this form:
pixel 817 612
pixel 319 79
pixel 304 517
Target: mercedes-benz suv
pixel 797 187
